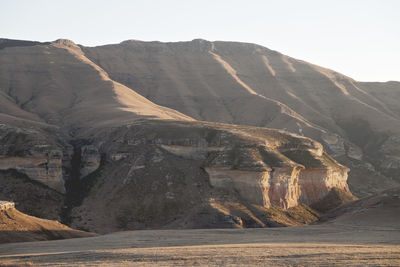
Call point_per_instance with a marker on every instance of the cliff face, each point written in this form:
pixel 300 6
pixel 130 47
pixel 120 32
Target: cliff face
pixel 44 168
pixel 264 169
pixel 276 179
pixel 90 160
pixel 34 153
pixel 316 183
pixel 248 84
pixel 180 170
pixel 6 205
pixel 125 162
pixel 44 157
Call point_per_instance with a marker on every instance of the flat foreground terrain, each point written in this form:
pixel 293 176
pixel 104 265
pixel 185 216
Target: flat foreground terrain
pixel 326 245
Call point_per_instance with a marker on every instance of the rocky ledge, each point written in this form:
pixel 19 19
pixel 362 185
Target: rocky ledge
pixel 5 205
pixel 280 174
pixel 266 167
pixel 177 171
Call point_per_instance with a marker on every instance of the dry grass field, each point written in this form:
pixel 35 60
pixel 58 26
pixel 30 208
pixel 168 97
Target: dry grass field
pixel 325 245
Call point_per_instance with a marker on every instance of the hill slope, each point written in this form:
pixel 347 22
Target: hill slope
pixel 358 123
pixel 124 162
pixel 16 226
pixel 56 84
pixel 380 210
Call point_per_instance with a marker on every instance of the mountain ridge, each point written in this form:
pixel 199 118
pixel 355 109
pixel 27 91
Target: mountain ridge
pixel 101 124
pixel 292 83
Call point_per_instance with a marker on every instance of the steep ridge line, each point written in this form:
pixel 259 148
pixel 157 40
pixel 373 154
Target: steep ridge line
pixel 157 163
pixel 288 90
pixel 180 75
pixel 284 108
pixel 132 101
pixel 327 73
pixel 383 105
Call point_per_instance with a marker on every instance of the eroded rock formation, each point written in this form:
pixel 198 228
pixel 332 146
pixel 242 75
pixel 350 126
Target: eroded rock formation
pixel 44 168
pixel 90 160
pixel 34 153
pixel 128 163
pixel 266 168
pixel 5 205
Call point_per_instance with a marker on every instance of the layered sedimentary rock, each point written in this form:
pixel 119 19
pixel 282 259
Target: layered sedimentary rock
pixel 185 174
pixel 265 167
pixel 251 185
pixel 316 183
pixel 34 153
pixel 284 184
pixel 90 160
pixel 284 190
pixel 46 169
pixel 248 84
pixel 43 156
pixel 64 117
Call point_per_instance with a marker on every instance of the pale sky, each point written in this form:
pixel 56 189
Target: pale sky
pixel 359 38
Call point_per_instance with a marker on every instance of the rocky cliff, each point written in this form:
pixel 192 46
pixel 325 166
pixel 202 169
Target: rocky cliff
pixel 248 84
pixel 175 169
pixel 125 162
pixel 277 176
pixel 32 152
pixel 6 205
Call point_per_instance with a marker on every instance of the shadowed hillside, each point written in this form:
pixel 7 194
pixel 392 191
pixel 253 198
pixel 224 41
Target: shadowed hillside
pixel 16 226
pixel 117 138
pixel 358 123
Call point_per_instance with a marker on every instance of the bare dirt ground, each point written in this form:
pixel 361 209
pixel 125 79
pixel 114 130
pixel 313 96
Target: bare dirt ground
pixel 322 245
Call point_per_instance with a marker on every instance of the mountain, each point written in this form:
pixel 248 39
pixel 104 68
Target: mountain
pixel 247 84
pixel 116 137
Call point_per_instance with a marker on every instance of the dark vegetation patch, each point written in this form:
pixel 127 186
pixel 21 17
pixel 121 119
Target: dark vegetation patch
pixel 303 157
pixel 335 198
pixel 255 216
pixel 360 133
pixel 160 194
pixel 299 215
pixel 270 158
pixel 234 157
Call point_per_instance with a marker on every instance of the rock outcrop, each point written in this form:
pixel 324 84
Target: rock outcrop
pixel 266 175
pixel 16 226
pixel 33 153
pixel 276 179
pixel 125 162
pixel 248 84
pixel 5 205
pixel 182 169
pixel 44 168
pixel 90 160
